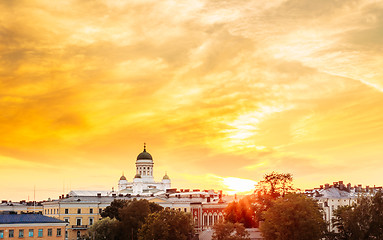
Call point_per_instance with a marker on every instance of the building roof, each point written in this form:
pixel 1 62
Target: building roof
pixel 122 177
pixel 81 193
pixel 144 155
pixel 27 218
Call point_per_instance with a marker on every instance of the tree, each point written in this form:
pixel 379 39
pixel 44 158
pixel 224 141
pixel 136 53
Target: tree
pixel 242 212
pixel 167 225
pixel 133 216
pixel 249 210
pixel 276 184
pixel 229 231
pixel 106 228
pixel 293 217
pixel 112 211
pixel 361 221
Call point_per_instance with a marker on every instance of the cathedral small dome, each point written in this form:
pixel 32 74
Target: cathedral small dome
pixel 166 176
pixel 144 155
pixel 122 177
pixel 137 176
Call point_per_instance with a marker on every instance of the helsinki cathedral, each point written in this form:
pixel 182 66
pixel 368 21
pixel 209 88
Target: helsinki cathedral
pixel 143 182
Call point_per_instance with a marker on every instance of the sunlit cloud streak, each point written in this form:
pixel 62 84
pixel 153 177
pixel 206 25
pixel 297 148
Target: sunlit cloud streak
pixel 223 88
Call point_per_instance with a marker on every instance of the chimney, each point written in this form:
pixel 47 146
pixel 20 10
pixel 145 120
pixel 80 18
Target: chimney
pixel 367 188
pixel 349 186
pixel 98 194
pixel 321 186
pixel 113 195
pixel 326 186
pixel 208 199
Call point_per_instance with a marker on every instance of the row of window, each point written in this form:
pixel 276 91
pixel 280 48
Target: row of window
pixel 31 232
pixel 79 221
pixel 66 211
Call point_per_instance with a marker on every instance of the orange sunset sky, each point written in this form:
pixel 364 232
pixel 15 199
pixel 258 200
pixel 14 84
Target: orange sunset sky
pixel 219 90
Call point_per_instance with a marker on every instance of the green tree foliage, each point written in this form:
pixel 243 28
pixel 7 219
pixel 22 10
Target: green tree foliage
pixel 106 228
pixel 129 215
pixel 133 216
pixel 167 225
pixel 154 207
pixel 249 210
pixel 242 212
pixel 276 184
pixel 293 217
pixel 112 211
pixel 361 221
pixel 229 231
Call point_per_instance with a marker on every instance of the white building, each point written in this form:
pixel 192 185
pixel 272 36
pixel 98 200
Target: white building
pixel 143 182
pixel 331 197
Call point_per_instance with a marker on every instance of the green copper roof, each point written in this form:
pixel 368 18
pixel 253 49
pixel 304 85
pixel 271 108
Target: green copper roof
pixel 144 155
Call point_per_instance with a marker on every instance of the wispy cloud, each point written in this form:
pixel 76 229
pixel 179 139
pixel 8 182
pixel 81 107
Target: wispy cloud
pixel 229 88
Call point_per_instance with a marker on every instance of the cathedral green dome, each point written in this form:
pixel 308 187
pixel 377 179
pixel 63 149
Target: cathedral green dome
pixel 122 177
pixel 144 155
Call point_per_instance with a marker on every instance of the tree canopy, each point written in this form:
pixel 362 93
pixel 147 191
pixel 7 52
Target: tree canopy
pixel 242 212
pixel 361 221
pixel 229 231
pixel 167 225
pixel 129 217
pixel 106 228
pixel 112 211
pixel 294 216
pixel 249 210
pixel 276 184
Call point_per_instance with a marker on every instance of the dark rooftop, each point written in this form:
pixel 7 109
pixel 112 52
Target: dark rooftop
pixel 27 218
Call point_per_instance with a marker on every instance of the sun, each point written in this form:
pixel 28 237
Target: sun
pixel 239 185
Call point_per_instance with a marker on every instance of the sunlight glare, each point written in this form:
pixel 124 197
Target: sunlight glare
pixel 239 185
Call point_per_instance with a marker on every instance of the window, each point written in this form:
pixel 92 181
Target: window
pixel 30 233
pixel 90 221
pixel 185 210
pixel 11 233
pixel 49 232
pixel 58 232
pixel 66 210
pixel 66 234
pixel 40 233
pixel 66 220
pixel 78 221
pixel 91 210
pixel 21 233
pixel 79 211
pixel 1 233
pixel 99 211
pixel 78 234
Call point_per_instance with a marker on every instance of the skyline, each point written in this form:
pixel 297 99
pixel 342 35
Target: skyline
pixel 218 90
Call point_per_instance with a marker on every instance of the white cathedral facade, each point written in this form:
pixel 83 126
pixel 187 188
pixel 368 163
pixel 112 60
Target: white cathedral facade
pixel 143 182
